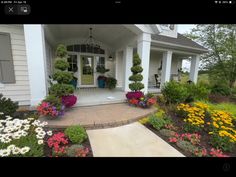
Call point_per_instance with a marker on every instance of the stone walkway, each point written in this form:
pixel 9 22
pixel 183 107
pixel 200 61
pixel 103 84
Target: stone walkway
pixel 132 140
pixel 101 116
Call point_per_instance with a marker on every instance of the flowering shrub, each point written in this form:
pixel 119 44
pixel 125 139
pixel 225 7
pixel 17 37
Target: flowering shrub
pixel 194 138
pixel 136 95
pixel 47 109
pixel 77 151
pixel 194 116
pixel 69 100
pixel 217 153
pixel 222 130
pixel 23 138
pixel 57 142
pixel 136 99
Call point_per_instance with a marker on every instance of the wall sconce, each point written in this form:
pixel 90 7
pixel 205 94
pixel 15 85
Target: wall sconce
pixel 110 58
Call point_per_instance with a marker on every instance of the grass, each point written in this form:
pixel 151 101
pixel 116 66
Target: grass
pixel 228 107
pixel 202 78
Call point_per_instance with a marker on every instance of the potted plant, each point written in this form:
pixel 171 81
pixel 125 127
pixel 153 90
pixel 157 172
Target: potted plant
pixel 111 82
pixel 102 79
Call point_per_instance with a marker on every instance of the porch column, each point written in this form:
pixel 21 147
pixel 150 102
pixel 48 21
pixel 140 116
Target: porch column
pixel 166 67
pixel 36 59
pixel 144 45
pixel 127 63
pixel 194 68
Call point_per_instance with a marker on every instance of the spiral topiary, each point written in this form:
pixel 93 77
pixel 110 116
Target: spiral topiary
pixel 136 78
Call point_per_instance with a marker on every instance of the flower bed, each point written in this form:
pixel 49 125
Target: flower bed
pixel 138 99
pixel 195 130
pixel 30 138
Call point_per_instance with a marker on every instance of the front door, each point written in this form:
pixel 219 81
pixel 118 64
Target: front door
pixel 87 70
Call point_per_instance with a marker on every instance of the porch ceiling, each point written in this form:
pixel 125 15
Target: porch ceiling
pixel 108 34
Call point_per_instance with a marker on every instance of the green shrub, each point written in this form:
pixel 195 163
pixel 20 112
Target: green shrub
pixel 221 90
pixel 62 77
pixel 61 51
pixel 136 77
pixel 196 92
pixel 61 64
pixel 167 133
pixel 157 123
pixel 102 69
pixel 186 146
pixel 76 134
pixel 111 82
pixel 174 92
pixel 7 106
pixel 137 69
pixel 61 89
pixel 136 86
pixel 222 143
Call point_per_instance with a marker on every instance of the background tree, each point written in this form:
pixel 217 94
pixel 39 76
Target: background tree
pixel 137 77
pixel 220 61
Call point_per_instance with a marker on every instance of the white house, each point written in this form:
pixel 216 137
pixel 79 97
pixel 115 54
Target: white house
pixel 27 56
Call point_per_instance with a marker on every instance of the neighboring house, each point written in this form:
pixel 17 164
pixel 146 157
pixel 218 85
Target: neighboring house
pixel 27 56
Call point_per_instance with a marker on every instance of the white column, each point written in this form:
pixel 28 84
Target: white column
pixel 127 63
pixel 144 44
pixel 36 59
pixel 194 68
pixel 166 67
pixel 116 63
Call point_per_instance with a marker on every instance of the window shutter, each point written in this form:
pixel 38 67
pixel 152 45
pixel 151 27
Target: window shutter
pixel 7 74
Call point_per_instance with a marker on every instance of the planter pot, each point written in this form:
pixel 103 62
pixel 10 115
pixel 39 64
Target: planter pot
pixel 101 83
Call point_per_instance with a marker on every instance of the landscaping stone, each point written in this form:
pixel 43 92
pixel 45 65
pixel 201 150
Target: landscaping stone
pixel 167 133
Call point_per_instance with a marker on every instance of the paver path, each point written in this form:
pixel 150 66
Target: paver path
pixel 100 116
pixel 132 140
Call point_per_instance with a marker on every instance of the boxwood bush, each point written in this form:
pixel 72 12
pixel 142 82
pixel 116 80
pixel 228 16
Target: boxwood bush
pixel 7 106
pixel 76 134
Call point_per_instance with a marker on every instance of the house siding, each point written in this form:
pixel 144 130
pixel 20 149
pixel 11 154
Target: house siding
pixel 20 90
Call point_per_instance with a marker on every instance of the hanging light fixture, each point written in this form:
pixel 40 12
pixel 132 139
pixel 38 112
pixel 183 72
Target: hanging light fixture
pixel 91 44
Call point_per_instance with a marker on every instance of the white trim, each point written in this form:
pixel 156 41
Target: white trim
pixel 178 45
pixel 174 51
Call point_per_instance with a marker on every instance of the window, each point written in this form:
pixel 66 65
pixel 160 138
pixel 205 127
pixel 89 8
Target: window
pixel 85 49
pixel 100 61
pixel 7 74
pixel 72 60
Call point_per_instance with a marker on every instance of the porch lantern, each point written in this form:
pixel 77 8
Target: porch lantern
pixel 110 58
pixel 91 46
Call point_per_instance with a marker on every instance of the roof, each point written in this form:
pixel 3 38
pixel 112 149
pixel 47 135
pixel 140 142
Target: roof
pixel 180 42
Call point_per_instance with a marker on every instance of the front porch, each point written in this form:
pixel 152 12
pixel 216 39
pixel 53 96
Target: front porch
pixel 98 96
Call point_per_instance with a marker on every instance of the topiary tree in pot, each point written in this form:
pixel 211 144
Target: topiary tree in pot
pixel 136 86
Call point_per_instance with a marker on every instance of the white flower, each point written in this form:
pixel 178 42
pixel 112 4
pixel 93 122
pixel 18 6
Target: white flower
pixel 11 147
pixel 49 133
pixel 24 134
pixel 40 141
pixel 6 140
pixel 16 136
pixel 5 152
pixel 24 150
pixel 30 118
pixel 38 129
pixel 39 136
pixel 1 113
pixel 1 129
pixel 8 117
pixel 9 124
pixel 42 133
pixel 16 151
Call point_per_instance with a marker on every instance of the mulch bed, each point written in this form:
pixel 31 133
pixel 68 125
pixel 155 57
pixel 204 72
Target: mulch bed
pixel 177 122
pixel 48 151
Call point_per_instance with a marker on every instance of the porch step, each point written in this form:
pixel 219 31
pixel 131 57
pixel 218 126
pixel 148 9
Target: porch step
pixel 99 103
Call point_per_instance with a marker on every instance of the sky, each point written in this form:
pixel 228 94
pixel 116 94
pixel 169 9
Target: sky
pixel 183 29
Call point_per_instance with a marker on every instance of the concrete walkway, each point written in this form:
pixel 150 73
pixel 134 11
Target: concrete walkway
pixel 132 140
pixel 102 116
